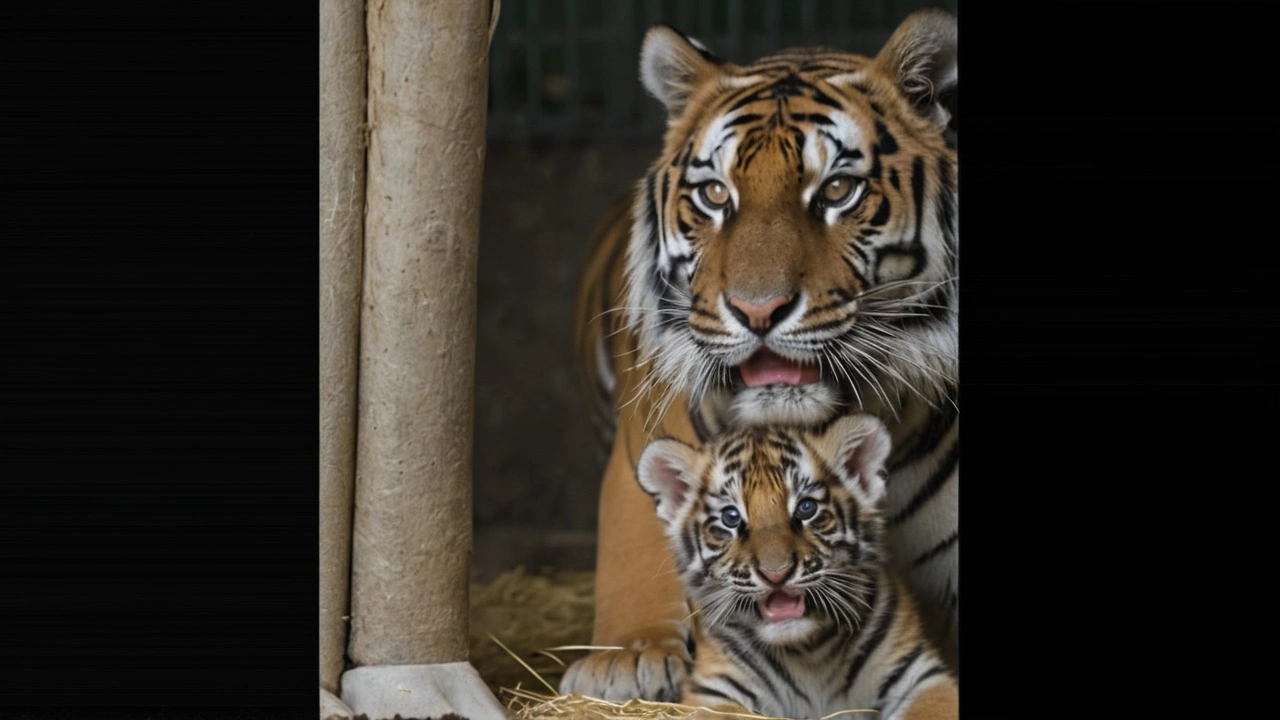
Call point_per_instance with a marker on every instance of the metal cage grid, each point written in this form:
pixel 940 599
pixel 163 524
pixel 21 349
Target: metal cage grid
pixel 567 69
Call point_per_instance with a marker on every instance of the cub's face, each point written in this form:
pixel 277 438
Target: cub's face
pixel 774 531
pixel 795 242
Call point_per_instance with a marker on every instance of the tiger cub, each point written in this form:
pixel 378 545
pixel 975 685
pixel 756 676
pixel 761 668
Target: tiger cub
pixel 778 540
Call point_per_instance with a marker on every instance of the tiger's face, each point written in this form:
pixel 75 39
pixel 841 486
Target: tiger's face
pixel 795 242
pixel 774 530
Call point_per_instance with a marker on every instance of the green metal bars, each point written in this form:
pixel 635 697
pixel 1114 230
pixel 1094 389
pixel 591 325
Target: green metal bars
pixel 567 69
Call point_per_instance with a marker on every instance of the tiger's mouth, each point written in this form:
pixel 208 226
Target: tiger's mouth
pixel 781 605
pixel 766 367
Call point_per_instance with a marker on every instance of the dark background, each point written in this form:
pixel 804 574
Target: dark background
pixel 158 326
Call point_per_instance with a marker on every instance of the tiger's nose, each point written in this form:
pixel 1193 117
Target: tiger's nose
pixel 777 575
pixel 759 317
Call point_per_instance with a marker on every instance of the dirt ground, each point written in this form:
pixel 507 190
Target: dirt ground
pixel 537 461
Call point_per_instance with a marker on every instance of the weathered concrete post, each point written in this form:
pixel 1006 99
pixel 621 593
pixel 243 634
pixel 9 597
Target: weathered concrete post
pixel 343 70
pixel 411 546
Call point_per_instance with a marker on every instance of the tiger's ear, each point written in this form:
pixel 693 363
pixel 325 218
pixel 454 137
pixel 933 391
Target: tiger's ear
pixel 672 66
pixel 920 58
pixel 666 471
pixel 856 446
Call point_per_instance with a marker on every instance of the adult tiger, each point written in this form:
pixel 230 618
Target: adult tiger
pixel 790 255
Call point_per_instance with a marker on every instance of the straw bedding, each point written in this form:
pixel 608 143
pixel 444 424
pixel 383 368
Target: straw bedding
pixel 524 625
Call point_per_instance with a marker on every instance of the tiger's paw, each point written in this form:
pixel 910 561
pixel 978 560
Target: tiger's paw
pixel 645 669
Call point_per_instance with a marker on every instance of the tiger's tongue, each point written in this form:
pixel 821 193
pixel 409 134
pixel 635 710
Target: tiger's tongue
pixel 778 605
pixel 767 367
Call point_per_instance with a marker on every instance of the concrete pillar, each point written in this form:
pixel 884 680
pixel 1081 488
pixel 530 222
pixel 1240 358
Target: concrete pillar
pixel 411 545
pixel 343 70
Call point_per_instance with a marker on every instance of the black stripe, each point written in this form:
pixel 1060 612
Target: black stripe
pixel 850 154
pixel 783 444
pixel 857 274
pixel 743 119
pixel 927 442
pixel 752 700
pixel 820 96
pixel 882 622
pixel 688 542
pixel 839 511
pixel 827 325
pixel 937 550
pixel 898 671
pixel 946 203
pixel 771 65
pixel 882 213
pixel 700 688
pixel 886 143
pixel 935 482
pixel 729 644
pixel 823 308
pixel 935 670
pixel 814 118
pixel 662 202
pixel 917 193
pixel 862 254
pixel 785 674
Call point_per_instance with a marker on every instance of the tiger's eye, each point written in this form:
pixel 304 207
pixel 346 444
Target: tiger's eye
pixel 806 509
pixel 730 517
pixel 715 193
pixel 836 189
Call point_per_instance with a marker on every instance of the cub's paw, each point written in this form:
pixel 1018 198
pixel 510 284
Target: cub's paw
pixel 645 669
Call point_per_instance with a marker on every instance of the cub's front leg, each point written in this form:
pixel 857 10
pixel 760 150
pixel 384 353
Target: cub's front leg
pixel 639 603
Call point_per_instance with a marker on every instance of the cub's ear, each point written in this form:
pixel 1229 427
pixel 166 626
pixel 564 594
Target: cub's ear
pixel 672 66
pixel 856 446
pixel 666 471
pixel 920 58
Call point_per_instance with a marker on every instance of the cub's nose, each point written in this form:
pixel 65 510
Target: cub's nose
pixel 759 317
pixel 777 575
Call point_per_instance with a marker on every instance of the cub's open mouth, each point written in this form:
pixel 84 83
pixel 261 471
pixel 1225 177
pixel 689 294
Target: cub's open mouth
pixel 767 367
pixel 779 605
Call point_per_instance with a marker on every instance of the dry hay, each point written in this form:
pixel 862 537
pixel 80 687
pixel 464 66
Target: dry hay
pixel 529 612
pixel 521 625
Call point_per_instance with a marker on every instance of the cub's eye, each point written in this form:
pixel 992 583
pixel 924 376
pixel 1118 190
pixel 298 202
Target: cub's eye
pixel 714 194
pixel 806 509
pixel 731 517
pixel 839 190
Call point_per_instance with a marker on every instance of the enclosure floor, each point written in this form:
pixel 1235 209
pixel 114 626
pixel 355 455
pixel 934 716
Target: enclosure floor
pixel 529 611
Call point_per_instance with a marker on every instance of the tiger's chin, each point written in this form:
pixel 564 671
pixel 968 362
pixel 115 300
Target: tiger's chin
pixel 777 404
pixel 787 632
pixel 781 404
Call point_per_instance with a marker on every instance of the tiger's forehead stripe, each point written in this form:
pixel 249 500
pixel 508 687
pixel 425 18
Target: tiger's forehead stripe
pixel 763 103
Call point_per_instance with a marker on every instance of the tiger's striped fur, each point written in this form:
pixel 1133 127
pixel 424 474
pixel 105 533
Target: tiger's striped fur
pixel 789 257
pixel 778 539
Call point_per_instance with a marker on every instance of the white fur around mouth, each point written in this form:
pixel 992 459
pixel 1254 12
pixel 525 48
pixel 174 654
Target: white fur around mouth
pixel 809 404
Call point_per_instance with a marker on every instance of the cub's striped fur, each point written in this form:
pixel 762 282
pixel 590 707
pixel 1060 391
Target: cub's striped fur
pixel 789 257
pixel 778 539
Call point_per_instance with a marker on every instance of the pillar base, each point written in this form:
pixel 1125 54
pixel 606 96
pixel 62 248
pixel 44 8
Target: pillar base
pixel 331 708
pixel 420 692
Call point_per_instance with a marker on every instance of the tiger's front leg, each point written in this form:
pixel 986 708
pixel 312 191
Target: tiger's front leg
pixel 639 602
